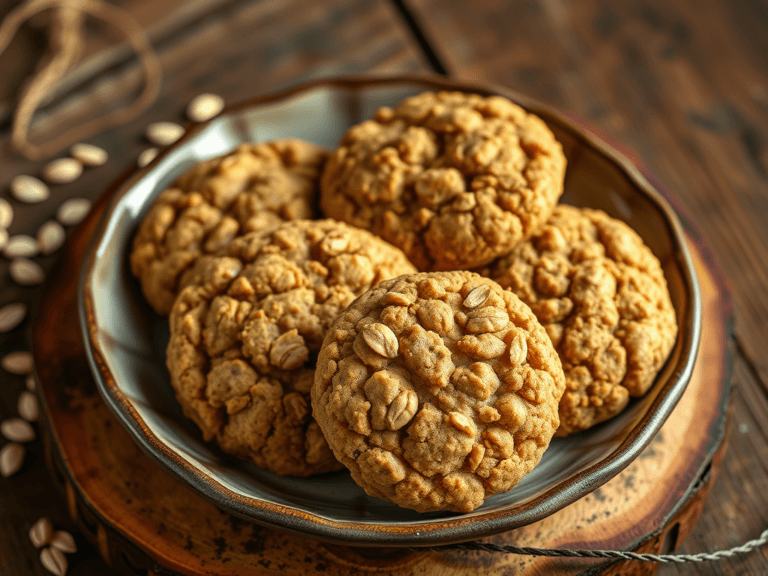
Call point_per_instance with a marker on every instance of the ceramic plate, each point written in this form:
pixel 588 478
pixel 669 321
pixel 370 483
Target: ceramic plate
pixel 126 341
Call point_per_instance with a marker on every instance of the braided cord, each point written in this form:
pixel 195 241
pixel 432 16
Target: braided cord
pixel 612 554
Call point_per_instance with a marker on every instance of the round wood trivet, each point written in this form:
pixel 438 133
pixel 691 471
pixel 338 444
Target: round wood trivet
pixel 143 521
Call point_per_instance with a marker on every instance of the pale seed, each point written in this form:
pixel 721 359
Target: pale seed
pixel 41 532
pixel 21 246
pixel 477 296
pixel 26 272
pixel 146 157
pixel 6 213
pixel 62 170
pixel 163 133
pixel 29 189
pixel 381 339
pixel 3 238
pixel 50 237
pixel 30 383
pixel 89 154
pixel 204 107
pixel 395 299
pixel 334 244
pixel 11 315
pixel 289 351
pixel 402 409
pixel 11 459
pixel 28 407
pixel 462 423
pixel 17 430
pixel 518 350
pixel 73 211
pixel 20 363
pixel 54 561
pixel 488 319
pixel 64 541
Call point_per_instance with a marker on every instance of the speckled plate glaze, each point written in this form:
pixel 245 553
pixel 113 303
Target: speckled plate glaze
pixel 126 341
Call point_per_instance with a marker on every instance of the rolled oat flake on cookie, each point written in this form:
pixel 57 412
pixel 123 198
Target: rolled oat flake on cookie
pixel 426 395
pixel 453 179
pixel 602 297
pixel 246 330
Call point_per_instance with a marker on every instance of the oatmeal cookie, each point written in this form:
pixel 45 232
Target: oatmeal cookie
pixel 255 187
pixel 601 295
pixel 453 179
pixel 245 336
pixel 437 390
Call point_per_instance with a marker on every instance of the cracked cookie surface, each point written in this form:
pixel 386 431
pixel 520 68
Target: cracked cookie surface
pixel 255 187
pixel 601 295
pixel 453 179
pixel 437 390
pixel 245 335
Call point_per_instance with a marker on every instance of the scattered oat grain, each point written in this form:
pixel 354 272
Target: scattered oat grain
pixel 21 246
pixel 17 363
pixel 73 211
pixel 163 133
pixel 29 189
pixel 17 430
pixel 146 157
pixel 41 532
pixel 54 561
pixel 11 459
pixel 64 541
pixel 50 237
pixel 11 315
pixel 30 383
pixel 89 154
pixel 477 296
pixel 26 272
pixel 28 407
pixel 204 107
pixel 6 213
pixel 3 238
pixel 62 170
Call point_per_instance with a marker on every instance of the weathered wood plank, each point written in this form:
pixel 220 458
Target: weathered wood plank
pixel 680 83
pixel 247 50
pixel 735 510
pixel 103 48
pixel 239 50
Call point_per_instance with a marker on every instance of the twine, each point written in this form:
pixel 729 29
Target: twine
pixel 611 554
pixel 67 33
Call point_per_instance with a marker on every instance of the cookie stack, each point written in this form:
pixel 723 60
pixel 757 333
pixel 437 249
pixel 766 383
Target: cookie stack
pixel 414 305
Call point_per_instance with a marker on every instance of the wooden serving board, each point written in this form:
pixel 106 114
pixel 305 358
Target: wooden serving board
pixel 143 521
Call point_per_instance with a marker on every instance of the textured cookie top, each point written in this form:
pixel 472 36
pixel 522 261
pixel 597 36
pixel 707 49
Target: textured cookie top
pixel 601 295
pixel 255 187
pixel 437 390
pixel 246 331
pixel 453 179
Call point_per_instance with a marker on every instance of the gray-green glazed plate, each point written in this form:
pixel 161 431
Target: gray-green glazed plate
pixel 126 341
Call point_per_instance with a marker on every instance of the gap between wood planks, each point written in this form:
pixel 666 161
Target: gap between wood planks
pixel 118 58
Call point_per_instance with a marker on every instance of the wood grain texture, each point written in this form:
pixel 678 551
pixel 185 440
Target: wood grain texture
pixel 138 514
pixel 682 84
pixel 236 48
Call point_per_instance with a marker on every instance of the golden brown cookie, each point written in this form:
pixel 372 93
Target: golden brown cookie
pixel 437 390
pixel 245 336
pixel 601 295
pixel 453 179
pixel 255 187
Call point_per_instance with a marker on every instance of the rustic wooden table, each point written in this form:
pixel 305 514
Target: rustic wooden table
pixel 681 84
